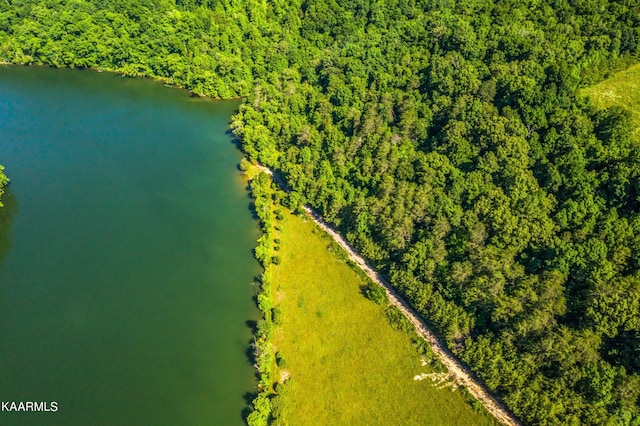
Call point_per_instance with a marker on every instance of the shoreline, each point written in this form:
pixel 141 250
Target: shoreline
pixel 164 80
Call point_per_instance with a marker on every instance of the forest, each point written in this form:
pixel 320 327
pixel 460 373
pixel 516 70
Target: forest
pixel 446 140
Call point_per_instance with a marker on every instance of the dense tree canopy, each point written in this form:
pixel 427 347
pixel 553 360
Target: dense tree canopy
pixel 446 140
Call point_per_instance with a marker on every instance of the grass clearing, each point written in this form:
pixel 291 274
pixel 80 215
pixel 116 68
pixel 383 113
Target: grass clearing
pixel 622 89
pixel 347 364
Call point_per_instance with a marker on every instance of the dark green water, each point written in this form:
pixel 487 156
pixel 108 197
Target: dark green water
pixel 125 253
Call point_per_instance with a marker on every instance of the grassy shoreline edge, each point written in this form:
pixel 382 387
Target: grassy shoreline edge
pixel 262 347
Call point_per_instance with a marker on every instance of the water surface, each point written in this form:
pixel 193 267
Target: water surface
pixel 125 253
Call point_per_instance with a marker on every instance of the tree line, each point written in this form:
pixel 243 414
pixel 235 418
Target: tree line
pixel 446 140
pixel 3 182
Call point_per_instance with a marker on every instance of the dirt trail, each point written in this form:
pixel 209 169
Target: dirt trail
pixel 463 376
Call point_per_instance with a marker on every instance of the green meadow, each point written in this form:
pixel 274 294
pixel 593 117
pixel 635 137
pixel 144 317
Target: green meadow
pixel 621 89
pixel 341 360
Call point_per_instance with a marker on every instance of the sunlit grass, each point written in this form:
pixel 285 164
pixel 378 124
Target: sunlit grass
pixel 622 89
pixel 250 170
pixel 348 366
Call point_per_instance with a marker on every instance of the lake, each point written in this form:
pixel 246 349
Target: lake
pixel 125 253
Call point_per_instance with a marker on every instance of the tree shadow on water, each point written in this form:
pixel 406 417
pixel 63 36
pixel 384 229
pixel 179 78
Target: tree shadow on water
pixel 248 397
pixel 7 212
pixel 233 138
pixel 252 210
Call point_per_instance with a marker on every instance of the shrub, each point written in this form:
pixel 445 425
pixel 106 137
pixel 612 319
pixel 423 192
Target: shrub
pixel 276 315
pixel 244 164
pixel 375 293
pixel 280 360
pixel 261 411
pixel 397 319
